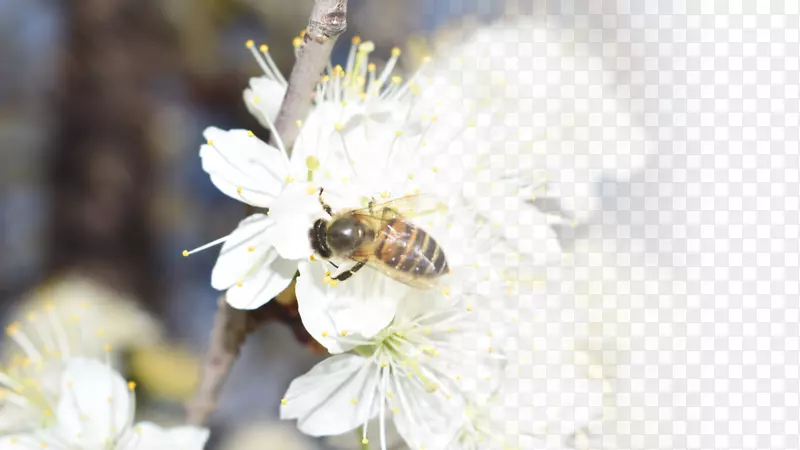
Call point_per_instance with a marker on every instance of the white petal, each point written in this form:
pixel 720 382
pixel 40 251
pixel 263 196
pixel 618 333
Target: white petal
pixel 294 213
pixel 316 139
pixel 269 279
pixel 337 395
pixel 362 305
pixel 27 441
pixel 245 247
pixel 521 225
pixel 263 99
pixel 150 436
pixel 95 400
pixel 243 167
pixel 421 418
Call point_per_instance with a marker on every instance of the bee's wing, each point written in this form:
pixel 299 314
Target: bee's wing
pixel 408 207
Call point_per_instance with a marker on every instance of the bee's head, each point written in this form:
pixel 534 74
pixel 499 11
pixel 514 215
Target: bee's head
pixel 345 234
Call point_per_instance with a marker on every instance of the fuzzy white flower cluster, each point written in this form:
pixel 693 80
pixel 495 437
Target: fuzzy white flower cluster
pixel 55 394
pixel 429 359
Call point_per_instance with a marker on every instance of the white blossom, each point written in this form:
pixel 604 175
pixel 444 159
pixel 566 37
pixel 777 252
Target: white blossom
pixel 414 371
pixel 557 121
pixel 54 397
pixel 368 137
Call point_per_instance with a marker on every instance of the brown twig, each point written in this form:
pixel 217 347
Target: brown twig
pixel 231 326
pixel 227 335
pixel 327 22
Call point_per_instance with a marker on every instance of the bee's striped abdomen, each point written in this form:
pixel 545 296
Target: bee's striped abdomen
pixel 410 249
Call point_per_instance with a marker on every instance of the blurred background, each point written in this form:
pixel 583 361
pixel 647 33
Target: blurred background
pixel 102 105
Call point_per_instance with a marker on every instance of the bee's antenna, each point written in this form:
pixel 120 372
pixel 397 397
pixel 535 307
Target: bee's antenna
pixel 334 265
pixel 325 206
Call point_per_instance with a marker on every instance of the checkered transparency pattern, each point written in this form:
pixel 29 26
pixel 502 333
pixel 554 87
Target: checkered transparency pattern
pixel 683 295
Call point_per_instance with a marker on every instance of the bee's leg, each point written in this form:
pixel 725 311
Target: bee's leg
pixel 345 275
pixel 325 206
pixel 371 206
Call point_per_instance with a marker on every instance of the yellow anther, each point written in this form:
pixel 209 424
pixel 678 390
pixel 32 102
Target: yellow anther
pixel 398 133
pixel 338 126
pixel 446 292
pixel 239 283
pixel 250 133
pixel 434 169
pixel 426 59
pixel 343 333
pixel 256 99
pixel 384 195
pixel 397 79
pixel 344 104
pixel 344 180
pixel 396 51
pixel 239 190
pixel 469 307
pixel 311 190
pixel 451 329
pixel 249 43
pixel 299 123
pixel 390 395
pixel 371 67
pixel 365 441
pixel 210 142
pixel 356 40
pixel 297 42
pixel 334 283
pixel 327 274
pixel 354 401
pixel 411 176
pixel 251 248
pixel 312 258
pixel 284 401
pixel 264 48
pixel 395 410
pixel 325 333
pixel 107 348
pixel 290 179
pixel 131 385
pixel 384 364
pixel 491 349
pixel 434 118
pixel 427 331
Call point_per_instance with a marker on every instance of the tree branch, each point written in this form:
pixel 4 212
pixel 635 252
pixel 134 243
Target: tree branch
pixel 327 22
pixel 231 326
pixel 227 335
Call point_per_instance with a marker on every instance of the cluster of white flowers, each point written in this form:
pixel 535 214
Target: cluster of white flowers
pixel 432 360
pixel 56 393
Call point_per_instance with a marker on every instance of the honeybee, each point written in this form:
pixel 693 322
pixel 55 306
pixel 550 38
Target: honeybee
pixel 380 236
